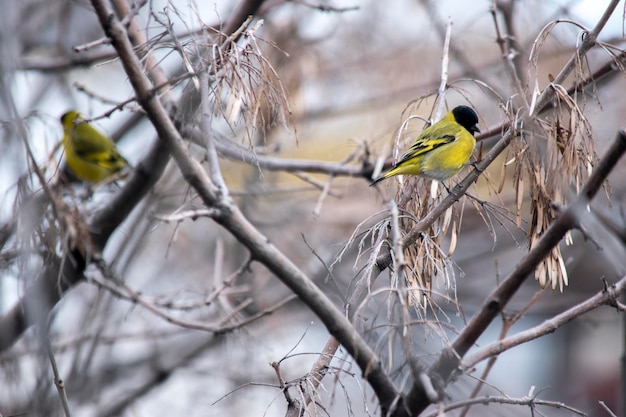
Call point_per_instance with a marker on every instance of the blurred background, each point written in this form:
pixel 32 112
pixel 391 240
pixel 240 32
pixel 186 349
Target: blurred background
pixel 351 73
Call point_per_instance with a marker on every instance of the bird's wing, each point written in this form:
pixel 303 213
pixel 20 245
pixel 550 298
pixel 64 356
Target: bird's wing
pixel 87 140
pixel 426 142
pixel 93 147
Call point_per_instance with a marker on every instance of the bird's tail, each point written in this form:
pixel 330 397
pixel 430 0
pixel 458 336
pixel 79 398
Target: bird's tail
pixel 377 180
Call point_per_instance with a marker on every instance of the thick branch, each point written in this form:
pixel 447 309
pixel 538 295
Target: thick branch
pixel 450 358
pixel 233 220
pixel 60 275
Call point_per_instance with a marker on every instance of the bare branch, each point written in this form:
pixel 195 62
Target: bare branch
pixel 608 296
pixel 495 302
pixel 234 221
pixel 531 402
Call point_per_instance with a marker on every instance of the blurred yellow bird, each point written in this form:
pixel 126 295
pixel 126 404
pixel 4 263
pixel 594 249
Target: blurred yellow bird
pixel 89 154
pixel 442 149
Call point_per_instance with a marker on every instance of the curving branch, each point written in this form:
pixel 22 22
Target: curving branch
pixel 231 218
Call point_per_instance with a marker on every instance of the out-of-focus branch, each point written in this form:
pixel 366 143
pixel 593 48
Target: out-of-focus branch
pixel 509 45
pixel 244 9
pixel 64 62
pixel 59 63
pixel 59 275
pixel 529 401
pixel 314 378
pixel 440 28
pixel 38 300
pixel 588 42
pixel 157 376
pixel 443 83
pixel 145 174
pixel 209 142
pixel 138 37
pixel 509 56
pixel 238 153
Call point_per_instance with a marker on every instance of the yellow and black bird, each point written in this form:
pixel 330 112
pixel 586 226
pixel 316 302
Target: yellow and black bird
pixel 89 154
pixel 442 149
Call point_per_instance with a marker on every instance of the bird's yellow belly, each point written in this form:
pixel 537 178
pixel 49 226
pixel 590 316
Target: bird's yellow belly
pixel 441 164
pixel 85 170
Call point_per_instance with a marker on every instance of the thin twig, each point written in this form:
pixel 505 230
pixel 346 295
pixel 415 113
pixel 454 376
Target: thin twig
pixel 214 169
pixel 602 298
pixel 58 381
pixel 528 401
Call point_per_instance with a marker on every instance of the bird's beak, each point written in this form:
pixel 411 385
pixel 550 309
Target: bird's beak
pixel 475 129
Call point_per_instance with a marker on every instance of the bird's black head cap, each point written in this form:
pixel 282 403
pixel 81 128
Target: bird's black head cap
pixel 466 117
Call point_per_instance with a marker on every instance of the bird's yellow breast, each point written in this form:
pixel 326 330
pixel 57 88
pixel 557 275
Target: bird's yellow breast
pixel 447 160
pixel 87 170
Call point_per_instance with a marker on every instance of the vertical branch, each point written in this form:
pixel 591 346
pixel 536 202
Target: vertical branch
pixel 458 54
pixel 507 9
pixel 508 56
pixel 214 168
pixel 138 37
pixel 399 272
pixel 443 84
pixel 58 381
